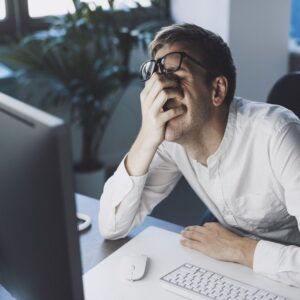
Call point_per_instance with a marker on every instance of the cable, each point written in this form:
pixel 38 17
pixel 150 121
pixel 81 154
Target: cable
pixel 86 221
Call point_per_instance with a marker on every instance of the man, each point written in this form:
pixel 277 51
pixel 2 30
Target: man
pixel 241 158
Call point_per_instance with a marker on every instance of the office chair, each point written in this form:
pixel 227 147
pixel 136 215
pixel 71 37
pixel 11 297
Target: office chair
pixel 286 92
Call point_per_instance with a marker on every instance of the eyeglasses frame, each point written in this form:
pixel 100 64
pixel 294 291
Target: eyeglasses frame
pixel 159 65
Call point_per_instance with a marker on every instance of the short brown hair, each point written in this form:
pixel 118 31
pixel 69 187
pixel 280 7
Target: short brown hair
pixel 214 52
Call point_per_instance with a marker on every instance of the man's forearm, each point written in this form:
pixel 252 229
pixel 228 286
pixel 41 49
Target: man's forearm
pixel 140 156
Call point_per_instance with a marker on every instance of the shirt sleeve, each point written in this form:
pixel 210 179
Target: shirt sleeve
pixel 278 262
pixel 281 262
pixel 126 200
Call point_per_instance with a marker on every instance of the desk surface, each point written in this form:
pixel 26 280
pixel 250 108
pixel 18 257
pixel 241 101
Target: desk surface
pixel 165 254
pixel 93 247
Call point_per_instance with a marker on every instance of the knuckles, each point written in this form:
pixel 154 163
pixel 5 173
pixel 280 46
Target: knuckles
pixel 155 76
pixel 212 225
pixel 171 112
pixel 190 234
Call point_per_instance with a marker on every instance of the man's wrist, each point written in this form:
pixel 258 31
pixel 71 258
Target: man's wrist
pixel 246 248
pixel 146 142
pixel 140 156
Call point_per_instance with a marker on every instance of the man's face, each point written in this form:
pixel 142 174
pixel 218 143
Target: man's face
pixel 196 97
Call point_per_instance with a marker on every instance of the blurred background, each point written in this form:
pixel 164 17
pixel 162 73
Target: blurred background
pixel 79 60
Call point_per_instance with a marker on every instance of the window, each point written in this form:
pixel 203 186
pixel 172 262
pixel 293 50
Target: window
pixel 22 17
pixel 2 10
pixel 295 20
pixel 38 9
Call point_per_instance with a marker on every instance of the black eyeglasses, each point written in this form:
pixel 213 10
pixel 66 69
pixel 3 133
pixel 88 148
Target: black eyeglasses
pixel 169 63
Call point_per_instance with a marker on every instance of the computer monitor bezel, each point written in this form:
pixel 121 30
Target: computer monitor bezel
pixel 39 251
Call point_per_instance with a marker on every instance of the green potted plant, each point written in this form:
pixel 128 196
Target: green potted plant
pixel 84 59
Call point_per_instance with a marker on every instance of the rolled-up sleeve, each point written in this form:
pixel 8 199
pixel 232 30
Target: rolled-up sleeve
pixel 126 200
pixel 281 262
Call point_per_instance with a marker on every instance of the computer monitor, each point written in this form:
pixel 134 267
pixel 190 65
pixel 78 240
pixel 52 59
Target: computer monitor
pixel 39 243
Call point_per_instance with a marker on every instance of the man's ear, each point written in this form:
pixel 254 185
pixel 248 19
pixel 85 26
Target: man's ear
pixel 219 90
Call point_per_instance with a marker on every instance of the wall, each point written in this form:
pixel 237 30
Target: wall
pixel 259 34
pixel 256 31
pixel 211 14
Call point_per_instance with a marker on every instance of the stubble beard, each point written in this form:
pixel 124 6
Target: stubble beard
pixel 190 129
pixel 174 132
pixel 179 130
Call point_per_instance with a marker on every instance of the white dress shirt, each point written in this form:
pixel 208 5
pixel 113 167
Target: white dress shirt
pixel 251 184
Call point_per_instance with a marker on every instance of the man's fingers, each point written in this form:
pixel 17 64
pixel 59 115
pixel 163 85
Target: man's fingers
pixel 212 224
pixel 157 83
pixel 200 229
pixel 205 228
pixel 163 96
pixel 192 244
pixel 164 79
pixel 153 92
pixel 198 233
pixel 150 83
pixel 172 113
pixel 194 235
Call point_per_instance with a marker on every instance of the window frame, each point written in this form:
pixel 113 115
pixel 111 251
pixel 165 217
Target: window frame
pixel 7 25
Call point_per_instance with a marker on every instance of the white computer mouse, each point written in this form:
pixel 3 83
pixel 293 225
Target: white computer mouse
pixel 133 267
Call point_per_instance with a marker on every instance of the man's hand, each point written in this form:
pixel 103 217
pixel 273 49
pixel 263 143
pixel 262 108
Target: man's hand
pixel 158 90
pixel 216 241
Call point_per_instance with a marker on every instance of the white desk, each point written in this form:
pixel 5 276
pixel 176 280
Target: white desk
pixel 165 253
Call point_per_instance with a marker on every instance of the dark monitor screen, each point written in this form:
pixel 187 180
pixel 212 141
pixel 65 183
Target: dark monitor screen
pixel 39 243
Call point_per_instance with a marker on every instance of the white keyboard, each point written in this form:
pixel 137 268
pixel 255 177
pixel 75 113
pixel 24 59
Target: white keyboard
pixel 194 282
